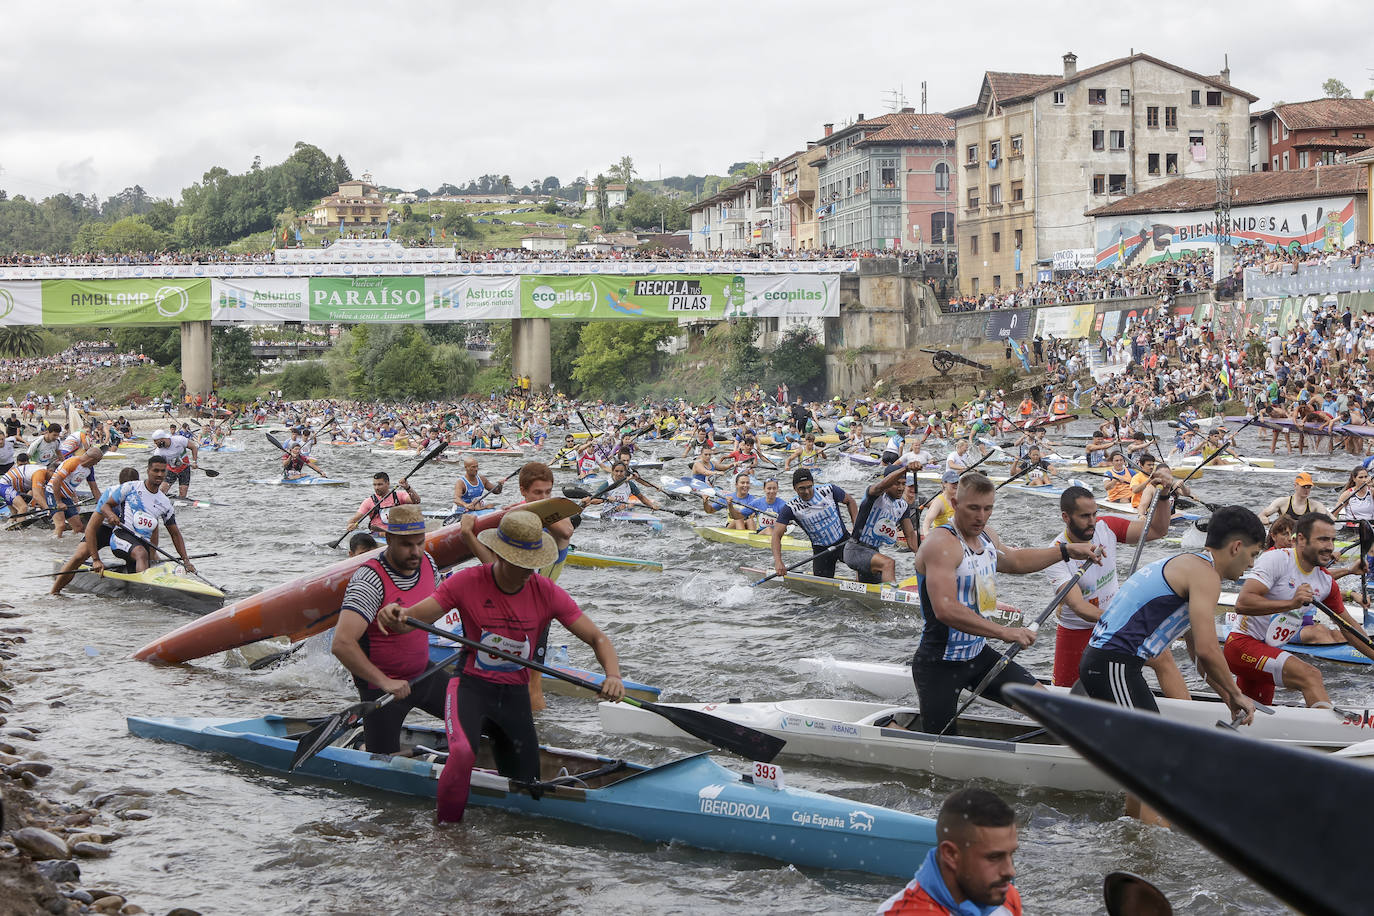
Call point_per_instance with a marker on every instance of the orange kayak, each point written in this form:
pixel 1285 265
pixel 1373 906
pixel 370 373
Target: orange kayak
pixel 309 604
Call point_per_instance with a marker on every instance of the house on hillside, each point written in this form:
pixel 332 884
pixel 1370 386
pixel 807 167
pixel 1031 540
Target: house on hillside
pixel 615 196
pixel 544 241
pixel 356 203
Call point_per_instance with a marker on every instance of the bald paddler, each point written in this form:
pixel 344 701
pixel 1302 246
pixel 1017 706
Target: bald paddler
pixel 383 661
pixel 181 454
pixel 505 605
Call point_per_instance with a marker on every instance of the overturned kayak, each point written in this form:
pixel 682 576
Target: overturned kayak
pixel 161 584
pixel 755 539
pixel 605 561
pixel 693 801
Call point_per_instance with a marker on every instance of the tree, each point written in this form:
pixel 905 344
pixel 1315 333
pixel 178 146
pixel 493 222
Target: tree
pixel 1368 93
pixel 745 363
pixel 624 170
pixel 1335 89
pixel 505 183
pixel 20 341
pixel 234 363
pixel 600 185
pixel 565 341
pixel 160 344
pixel 551 184
pixel 132 234
pixel 341 172
pixel 406 213
pixel 408 370
pixel 617 356
pixel 798 361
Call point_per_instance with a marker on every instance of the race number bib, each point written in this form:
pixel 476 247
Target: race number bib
pixel 887 530
pixel 987 594
pixel 451 621
pixel 1282 627
pixel 488 662
pixel 144 522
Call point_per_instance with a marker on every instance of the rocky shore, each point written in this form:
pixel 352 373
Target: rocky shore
pixel 48 827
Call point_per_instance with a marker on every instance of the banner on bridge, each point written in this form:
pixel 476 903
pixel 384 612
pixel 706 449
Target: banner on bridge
pixel 21 303
pixel 124 302
pixel 266 300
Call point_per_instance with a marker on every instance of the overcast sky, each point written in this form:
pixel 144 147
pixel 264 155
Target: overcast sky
pixel 101 96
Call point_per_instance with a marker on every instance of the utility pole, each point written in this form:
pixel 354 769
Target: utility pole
pixel 1222 211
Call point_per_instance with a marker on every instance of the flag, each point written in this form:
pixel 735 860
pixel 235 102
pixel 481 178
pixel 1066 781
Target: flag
pixel 341 225
pixel 283 235
pixel 443 233
pixel 431 232
pixel 1225 375
pixel 298 233
pixel 1120 248
pixel 388 228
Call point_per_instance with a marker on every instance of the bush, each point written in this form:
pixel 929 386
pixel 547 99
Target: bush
pixel 491 379
pixel 304 380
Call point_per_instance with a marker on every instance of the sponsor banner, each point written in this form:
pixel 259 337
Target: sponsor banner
pixel 266 300
pixel 1326 224
pixel 471 298
pixel 1013 323
pixel 1341 276
pixel 1066 322
pixel 116 302
pixel 796 296
pixel 363 299
pixel 21 302
pixel 660 298
pixel 1075 259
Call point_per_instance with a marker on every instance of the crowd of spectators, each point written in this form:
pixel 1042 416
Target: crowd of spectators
pixel 74 362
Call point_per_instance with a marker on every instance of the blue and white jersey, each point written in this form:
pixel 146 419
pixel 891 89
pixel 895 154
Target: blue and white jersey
pixel 880 520
pixel 141 510
pixel 895 442
pixel 764 506
pixel 1145 616
pixel 473 491
pixel 975 587
pixel 818 516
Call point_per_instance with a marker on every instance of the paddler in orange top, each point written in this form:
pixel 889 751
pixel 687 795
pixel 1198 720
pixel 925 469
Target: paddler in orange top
pixel 1027 408
pixel 1060 405
pixel 62 498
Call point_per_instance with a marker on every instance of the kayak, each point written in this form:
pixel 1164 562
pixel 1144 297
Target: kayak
pixel 161 584
pixel 394 452
pixel 759 540
pixel 440 651
pixel 904 596
pixel 188 503
pixel 685 486
pixel 1009 750
pixel 1175 768
pixel 458 456
pixel 1312 727
pixel 309 481
pixel 445 513
pixel 310 604
pixel 693 801
pixel 603 561
pixel 652 522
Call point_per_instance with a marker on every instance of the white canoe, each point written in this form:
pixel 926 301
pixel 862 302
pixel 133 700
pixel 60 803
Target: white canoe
pixel 1321 728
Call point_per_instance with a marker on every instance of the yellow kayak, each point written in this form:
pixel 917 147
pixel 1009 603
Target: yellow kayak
pixel 602 561
pixel 160 583
pixel 755 539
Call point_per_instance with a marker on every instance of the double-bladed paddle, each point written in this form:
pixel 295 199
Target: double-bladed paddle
pixel 133 535
pixel 815 556
pixel 1366 542
pixel 323 735
pixel 377 503
pixel 1349 629
pixel 726 735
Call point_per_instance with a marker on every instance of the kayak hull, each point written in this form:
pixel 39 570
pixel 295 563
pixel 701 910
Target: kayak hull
pixel 603 561
pixel 694 801
pixel 159 584
pixel 754 539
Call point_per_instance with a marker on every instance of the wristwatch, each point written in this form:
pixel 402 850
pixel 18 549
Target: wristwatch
pixel 1064 551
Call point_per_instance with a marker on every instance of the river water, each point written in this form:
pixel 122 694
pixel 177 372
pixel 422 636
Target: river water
pixel 227 838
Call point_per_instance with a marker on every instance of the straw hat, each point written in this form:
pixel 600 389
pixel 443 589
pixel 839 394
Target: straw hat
pixel 405 519
pixel 521 541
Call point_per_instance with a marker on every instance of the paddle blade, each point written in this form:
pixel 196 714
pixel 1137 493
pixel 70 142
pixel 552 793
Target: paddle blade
pixel 273 439
pixel 322 735
pixel 1159 760
pixel 576 493
pixel 210 472
pixel 1366 537
pixel 728 736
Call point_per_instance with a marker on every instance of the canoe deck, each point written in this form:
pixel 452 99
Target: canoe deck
pixel 160 584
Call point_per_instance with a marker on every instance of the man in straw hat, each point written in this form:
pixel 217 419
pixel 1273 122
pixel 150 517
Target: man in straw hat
pixel 381 662
pixel 505 605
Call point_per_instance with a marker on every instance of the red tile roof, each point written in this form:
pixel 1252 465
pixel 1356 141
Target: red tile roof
pixel 1336 143
pixel 1185 194
pixel 1327 114
pixel 907 127
pixel 1019 85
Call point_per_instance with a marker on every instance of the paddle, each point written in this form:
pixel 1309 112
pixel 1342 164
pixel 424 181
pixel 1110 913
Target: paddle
pixel 323 735
pixel 1366 542
pixel 582 493
pixel 1126 894
pixel 135 536
pixel 47 511
pixel 1356 633
pixel 377 503
pixel 1014 648
pixel 49 575
pixel 815 556
pixel 728 736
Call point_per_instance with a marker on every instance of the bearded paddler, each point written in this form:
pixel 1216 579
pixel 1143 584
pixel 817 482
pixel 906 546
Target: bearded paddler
pixel 816 510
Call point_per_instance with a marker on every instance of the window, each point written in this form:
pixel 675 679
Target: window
pixel 994 195
pixel 1016 144
pixel 1116 184
pixel 1358 135
pixel 1276 163
pixel 941 176
pixel 1171 118
pixel 1018 191
pixel 1020 280
pixel 973 244
pixel 1302 159
pixel 1196 138
pixel 1152 116
pixel 1118 139
pixel 942 227
pixel 973 198
pixel 888 177
pixel 972 157
pixel 997 241
pixel 1285 131
pixel 1099 140
pixel 994 149
pixel 1285 161
pixel 996 281
pixel 1197 98
pixel 973 283
pixel 1099 184
pixel 1274 131
pixel 1171 163
pixel 1152 165
pixel 1020 235
pixel 1059 96
pixel 1097 97
pixel 1213 98
pixel 1125 96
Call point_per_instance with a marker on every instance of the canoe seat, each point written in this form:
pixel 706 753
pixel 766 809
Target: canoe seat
pixel 911 721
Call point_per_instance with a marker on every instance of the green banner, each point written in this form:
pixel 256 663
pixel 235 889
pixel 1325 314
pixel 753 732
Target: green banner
pixel 114 302
pixel 367 299
pixel 658 298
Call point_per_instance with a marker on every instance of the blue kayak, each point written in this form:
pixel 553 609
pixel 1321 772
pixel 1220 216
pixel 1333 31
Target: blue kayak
pixel 693 801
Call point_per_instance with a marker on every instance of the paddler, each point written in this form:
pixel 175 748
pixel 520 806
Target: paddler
pixel 471 490
pixel 1118 479
pixel 769 505
pixel 293 465
pixel 741 505
pixel 382 498
pixel 806 454
pixel 61 492
pixel 380 659
pixel 133 511
pixel 816 510
pixel 182 455
pixel 1296 504
pixel 882 514
pixel 619 490
pixel 956 575
pixel 16 485
pixel 44 450
pixel 1272 602
pixel 941 507
pixel 1084 602
pixel 97 535
pixel 504 605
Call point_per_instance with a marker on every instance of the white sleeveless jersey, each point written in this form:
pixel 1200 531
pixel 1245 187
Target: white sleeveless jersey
pixel 1279 572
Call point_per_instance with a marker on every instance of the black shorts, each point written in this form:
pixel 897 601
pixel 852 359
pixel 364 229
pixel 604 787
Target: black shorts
pixel 859 557
pixel 502 713
pixel 824 565
pixel 889 457
pixel 382 729
pixel 938 684
pixel 182 476
pixel 1115 677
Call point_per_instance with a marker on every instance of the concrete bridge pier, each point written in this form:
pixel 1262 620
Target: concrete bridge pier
pixel 529 349
pixel 197 364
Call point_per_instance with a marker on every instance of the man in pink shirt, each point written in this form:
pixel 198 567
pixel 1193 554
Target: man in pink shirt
pixel 382 498
pixel 505 605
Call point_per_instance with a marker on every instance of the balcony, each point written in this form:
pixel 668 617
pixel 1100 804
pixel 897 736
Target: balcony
pixel 887 194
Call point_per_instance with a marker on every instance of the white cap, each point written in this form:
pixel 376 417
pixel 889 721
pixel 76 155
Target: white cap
pixel 160 434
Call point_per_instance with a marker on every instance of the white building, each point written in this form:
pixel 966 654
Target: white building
pixel 544 241
pixel 615 196
pixel 735 218
pixel 1036 151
